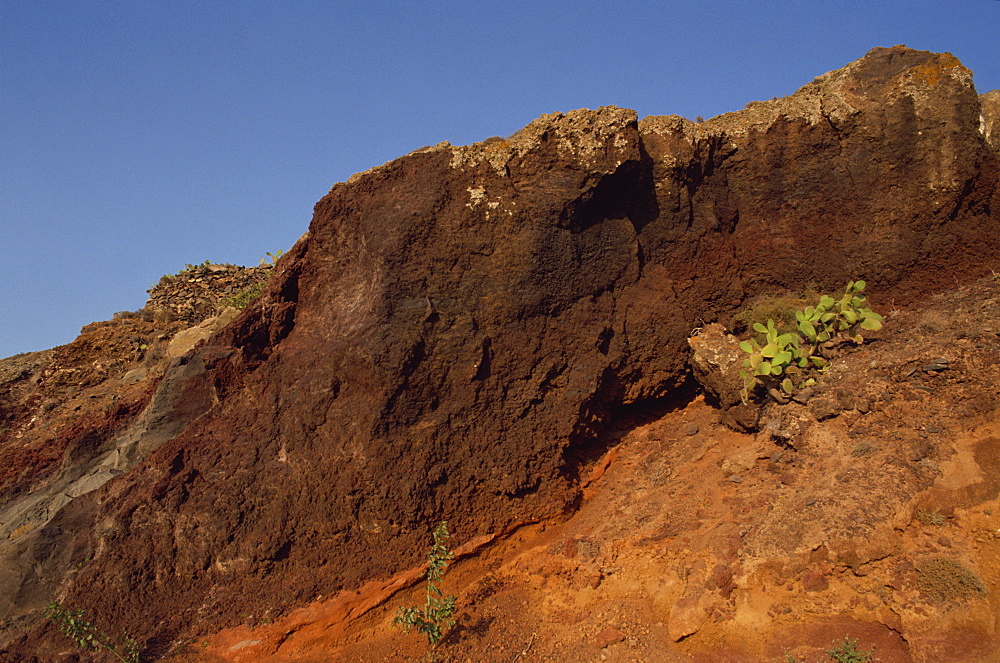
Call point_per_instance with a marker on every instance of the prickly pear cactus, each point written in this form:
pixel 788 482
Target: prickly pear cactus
pixel 784 360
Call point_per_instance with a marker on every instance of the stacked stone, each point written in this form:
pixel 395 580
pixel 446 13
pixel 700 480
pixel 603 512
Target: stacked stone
pixel 202 291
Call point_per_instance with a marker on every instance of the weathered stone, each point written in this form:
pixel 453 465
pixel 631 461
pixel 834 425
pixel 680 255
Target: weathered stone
pixel 990 118
pixel 803 395
pixel 716 360
pixel 688 615
pixel 742 417
pixel 814 581
pixel 824 407
pixel 202 291
pixel 608 637
pixel 184 341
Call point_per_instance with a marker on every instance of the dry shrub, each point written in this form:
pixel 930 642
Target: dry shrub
pixel 933 321
pixel 926 517
pixel 778 307
pixel 864 448
pixel 945 580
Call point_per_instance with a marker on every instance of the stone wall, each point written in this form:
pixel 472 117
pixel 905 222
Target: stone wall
pixel 203 290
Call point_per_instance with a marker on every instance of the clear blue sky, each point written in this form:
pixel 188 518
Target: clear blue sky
pixel 136 137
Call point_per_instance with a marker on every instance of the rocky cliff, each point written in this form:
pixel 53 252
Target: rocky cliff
pixel 460 326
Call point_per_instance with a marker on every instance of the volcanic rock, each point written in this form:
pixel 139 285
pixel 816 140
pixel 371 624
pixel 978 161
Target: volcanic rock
pixel 716 361
pixel 460 325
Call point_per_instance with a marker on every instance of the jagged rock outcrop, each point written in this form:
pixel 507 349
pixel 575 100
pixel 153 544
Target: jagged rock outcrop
pixel 459 325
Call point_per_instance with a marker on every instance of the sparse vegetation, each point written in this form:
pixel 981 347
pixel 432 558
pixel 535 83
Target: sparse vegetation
pixel 167 278
pixel 848 652
pixel 243 298
pixel 843 652
pixel 782 361
pixel 779 308
pixel 926 517
pixel 945 580
pixel 274 257
pixel 89 637
pixel 779 355
pixel 863 448
pixel 933 321
pixel 191 268
pixel 437 614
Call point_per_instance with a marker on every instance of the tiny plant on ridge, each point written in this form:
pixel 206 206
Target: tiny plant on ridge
pixel 87 636
pixel 274 257
pixel 436 616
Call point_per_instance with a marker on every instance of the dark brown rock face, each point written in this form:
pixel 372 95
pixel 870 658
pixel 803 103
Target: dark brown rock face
pixel 459 324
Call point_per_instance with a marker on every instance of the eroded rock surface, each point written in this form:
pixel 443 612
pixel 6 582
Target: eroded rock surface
pixel 460 324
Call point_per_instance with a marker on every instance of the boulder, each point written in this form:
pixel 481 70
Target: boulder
pixel 716 361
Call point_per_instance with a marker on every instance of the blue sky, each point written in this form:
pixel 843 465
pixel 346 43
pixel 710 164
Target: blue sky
pixel 136 137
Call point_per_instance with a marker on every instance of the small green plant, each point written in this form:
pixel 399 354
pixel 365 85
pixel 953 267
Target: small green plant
pixel 274 257
pixel 781 362
pixel 168 277
pixel 831 318
pixel 191 268
pixel 437 614
pixel 778 307
pixel 778 362
pixel 87 636
pixel 243 298
pixel 848 652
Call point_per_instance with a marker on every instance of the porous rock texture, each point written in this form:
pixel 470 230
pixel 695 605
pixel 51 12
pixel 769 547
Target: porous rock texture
pixel 459 325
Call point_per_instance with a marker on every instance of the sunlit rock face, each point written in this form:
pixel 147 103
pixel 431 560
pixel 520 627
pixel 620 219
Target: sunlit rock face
pixel 458 327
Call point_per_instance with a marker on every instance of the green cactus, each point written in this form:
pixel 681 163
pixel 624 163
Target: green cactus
pixel 792 354
pixel 777 357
